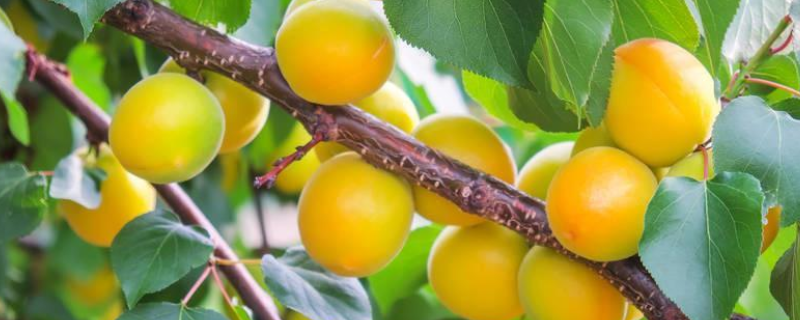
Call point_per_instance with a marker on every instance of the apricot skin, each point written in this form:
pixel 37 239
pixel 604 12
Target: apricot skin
pixel 661 103
pixel 593 137
pixel 348 32
pixel 168 128
pixel 473 271
pixel 123 198
pixel 597 201
pixel 770 230
pixel 353 217
pixel 692 167
pixel 534 178
pixel 553 287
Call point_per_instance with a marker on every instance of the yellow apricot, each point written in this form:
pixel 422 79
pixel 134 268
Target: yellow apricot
pixel 597 201
pixel 168 128
pixel 593 137
pixel 553 287
pixel 390 104
pixel 535 176
pixel 347 32
pixel 473 271
pixel 99 288
pixel 692 167
pixel 123 197
pixel 633 313
pixel 297 174
pixel 232 169
pixel 354 217
pixel 661 103
pixel 770 230
pixel 468 140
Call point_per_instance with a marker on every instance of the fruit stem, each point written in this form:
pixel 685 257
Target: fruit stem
pixel 221 286
pixel 704 150
pixel 197 284
pixel 775 85
pixel 269 178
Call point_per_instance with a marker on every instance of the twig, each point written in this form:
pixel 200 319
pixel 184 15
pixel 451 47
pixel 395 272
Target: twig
pixel 269 178
pixel 773 84
pixel 197 284
pixel 784 44
pixel 221 287
pixel 262 223
pixel 226 262
pixel 764 52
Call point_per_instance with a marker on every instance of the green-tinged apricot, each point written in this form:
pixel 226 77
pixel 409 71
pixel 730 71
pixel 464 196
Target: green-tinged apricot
pixel 390 104
pixel 473 271
pixel 692 167
pixel 661 103
pixel 168 128
pixel 468 140
pixel 348 32
pixel 593 137
pixel 353 217
pixel 535 176
pixel 295 176
pixel 553 287
pixel 597 201
pixel 633 313
pixel 123 198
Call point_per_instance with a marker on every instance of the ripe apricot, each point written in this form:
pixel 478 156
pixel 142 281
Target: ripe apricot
pixel 473 271
pixel 467 140
pixel 770 230
pixel 353 217
pixel 597 201
pixel 168 128
pixel 297 174
pixel 535 176
pixel 390 104
pixel 661 103
pixel 553 287
pixel 346 32
pixel 593 137
pixel 692 167
pixel 123 197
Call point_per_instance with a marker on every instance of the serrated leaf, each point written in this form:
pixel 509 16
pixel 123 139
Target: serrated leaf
pixel 72 182
pixel 87 65
pixel 301 284
pixel 750 137
pixel 701 241
pixel 716 16
pixel 490 38
pixel 780 69
pixel 17 120
pixel 23 199
pixel 169 311
pixel 785 281
pixel 12 60
pixel 666 19
pixel 88 11
pixel 538 108
pixel 493 96
pixel 265 19
pixel 155 250
pixel 232 14
pixel 754 22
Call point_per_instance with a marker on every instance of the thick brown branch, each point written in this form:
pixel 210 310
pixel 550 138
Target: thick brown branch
pixel 197 47
pixel 52 76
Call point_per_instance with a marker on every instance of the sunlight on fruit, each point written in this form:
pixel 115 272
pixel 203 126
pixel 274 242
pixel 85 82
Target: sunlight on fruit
pixel 473 271
pixel 296 175
pixel 771 228
pixel 593 137
pixel 597 201
pixel 390 104
pixel 662 101
pixel 346 31
pixel 470 141
pixel 123 198
pixel 692 166
pixel 553 287
pixel 535 176
pixel 354 218
pixel 184 122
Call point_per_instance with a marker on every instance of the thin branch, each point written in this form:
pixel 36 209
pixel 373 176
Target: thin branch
pixel 221 287
pixel 763 52
pixel 226 262
pixel 773 84
pixel 262 223
pixel 269 178
pixel 197 284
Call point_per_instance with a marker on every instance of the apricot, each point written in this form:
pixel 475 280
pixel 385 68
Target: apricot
pixel 661 103
pixel 390 104
pixel 771 228
pixel 99 288
pixel 123 197
pixel 473 271
pixel 468 140
pixel 633 313
pixel 245 110
pixel 168 128
pixel 535 176
pixel 692 167
pixel 354 217
pixel 296 175
pixel 593 137
pixel 346 32
pixel 597 201
pixel 294 5
pixel 553 287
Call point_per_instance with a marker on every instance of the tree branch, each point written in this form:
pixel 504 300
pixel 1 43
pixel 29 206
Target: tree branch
pixel 54 77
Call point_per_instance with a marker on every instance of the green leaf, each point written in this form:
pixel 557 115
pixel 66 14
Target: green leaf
pixel 667 19
pixel 5 20
pixel 790 106
pixel 169 311
pixel 155 250
pixel 3 265
pixel 261 27
pixel 716 16
pixel 88 11
pixel 72 182
pixel 490 38
pixel 51 134
pixel 780 69
pixel 47 307
pixel 17 120
pixel 408 272
pixel 533 107
pixel 754 22
pixel 55 15
pixel 493 96
pixel 23 197
pixel 794 13
pixel 73 256
pixel 301 284
pixel 750 137
pixel 12 61
pixel 87 64
pixel 701 241
pixel 785 284
pixel 418 94
pixel 422 305
pixel 232 14
pixel 757 298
